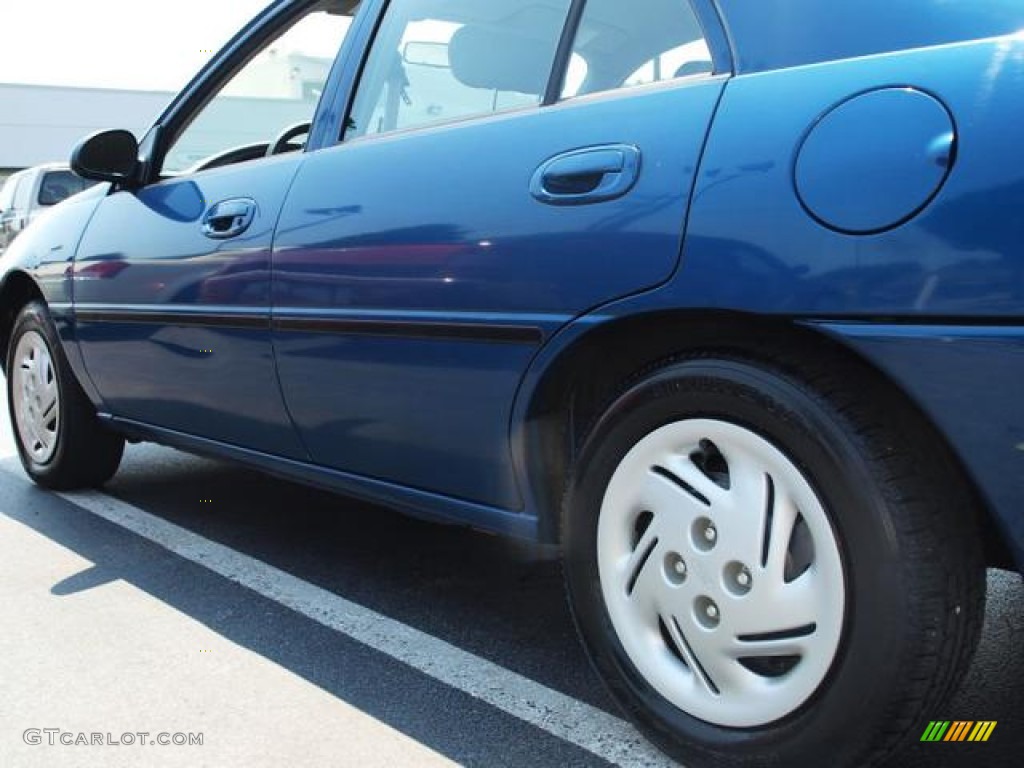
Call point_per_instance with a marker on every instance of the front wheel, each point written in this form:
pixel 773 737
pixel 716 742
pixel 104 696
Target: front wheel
pixel 754 566
pixel 61 443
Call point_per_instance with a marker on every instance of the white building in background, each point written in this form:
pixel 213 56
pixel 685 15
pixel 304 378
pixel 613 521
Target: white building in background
pixel 42 123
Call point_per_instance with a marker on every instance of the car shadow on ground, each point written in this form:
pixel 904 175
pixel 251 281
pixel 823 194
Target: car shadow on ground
pixel 498 599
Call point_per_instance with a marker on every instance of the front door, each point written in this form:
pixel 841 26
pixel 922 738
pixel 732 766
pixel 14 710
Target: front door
pixel 464 218
pixel 172 281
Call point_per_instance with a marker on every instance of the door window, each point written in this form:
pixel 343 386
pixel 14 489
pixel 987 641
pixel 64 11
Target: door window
pixel 276 89
pixel 621 44
pixel 435 61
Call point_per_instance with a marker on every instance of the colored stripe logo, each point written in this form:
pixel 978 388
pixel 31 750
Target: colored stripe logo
pixel 958 730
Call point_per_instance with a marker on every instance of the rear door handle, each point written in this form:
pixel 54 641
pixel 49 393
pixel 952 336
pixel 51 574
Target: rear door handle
pixel 590 175
pixel 229 218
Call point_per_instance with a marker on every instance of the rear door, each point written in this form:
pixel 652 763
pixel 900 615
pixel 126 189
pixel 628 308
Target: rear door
pixel 474 206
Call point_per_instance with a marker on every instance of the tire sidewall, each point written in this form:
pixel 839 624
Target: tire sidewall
pixel 827 453
pixel 34 317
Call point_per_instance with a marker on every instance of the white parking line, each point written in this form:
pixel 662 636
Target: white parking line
pixel 8 450
pixel 601 734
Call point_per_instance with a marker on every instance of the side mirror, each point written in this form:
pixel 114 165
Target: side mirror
pixel 106 156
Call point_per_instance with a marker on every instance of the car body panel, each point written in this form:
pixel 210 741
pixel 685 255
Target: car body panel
pixel 793 33
pixel 967 380
pixel 44 255
pixel 417 391
pixel 949 275
pixel 389 229
pixel 414 502
pixel 173 324
pixel 958 257
pixel 33 192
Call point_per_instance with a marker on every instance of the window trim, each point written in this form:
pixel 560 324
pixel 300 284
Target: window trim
pixel 712 33
pixel 228 62
pixel 339 94
pixel 350 77
pixel 563 54
pixel 716 34
pixel 338 98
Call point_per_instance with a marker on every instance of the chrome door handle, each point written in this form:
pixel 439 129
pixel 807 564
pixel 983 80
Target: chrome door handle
pixel 229 218
pixel 590 175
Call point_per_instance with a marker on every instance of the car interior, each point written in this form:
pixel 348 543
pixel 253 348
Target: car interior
pixel 458 58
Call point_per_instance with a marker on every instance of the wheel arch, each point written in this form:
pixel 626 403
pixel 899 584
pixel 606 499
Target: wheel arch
pixel 17 290
pixel 581 380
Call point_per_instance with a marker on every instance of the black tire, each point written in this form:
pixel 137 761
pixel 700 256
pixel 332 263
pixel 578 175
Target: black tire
pixel 85 453
pixel 903 519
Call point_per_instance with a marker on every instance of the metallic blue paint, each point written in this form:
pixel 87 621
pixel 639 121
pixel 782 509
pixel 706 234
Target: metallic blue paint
pixel 217 381
pixel 318 371
pixel 959 257
pixel 789 33
pixel 905 146
pixel 391 224
pixel 422 504
pixel 568 179
pixel 44 255
pixel 968 380
pixel 46 252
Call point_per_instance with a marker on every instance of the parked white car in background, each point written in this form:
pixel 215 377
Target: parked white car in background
pixel 28 193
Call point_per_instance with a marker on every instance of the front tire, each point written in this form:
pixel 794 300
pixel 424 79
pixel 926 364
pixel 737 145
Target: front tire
pixel 765 570
pixel 61 443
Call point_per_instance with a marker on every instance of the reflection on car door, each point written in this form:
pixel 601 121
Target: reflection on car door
pixel 172 315
pixel 172 282
pixel 418 269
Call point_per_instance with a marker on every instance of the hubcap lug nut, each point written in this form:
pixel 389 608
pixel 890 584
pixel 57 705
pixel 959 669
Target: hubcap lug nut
pixel 675 569
pixel 703 534
pixel 706 612
pixel 737 579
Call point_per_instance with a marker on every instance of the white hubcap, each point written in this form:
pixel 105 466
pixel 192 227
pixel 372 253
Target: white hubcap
pixel 720 571
pixel 35 397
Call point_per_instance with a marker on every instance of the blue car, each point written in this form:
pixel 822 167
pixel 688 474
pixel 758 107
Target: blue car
pixel 723 298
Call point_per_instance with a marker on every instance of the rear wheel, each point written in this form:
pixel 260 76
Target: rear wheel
pixel 757 561
pixel 61 443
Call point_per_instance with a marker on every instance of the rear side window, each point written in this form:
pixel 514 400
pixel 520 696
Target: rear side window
pixel 435 61
pixel 623 44
pixel 59 185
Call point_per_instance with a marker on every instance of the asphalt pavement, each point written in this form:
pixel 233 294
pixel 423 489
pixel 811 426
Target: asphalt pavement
pixel 287 626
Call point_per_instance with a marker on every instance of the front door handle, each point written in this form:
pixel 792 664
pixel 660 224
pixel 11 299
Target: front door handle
pixel 229 218
pixel 590 175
